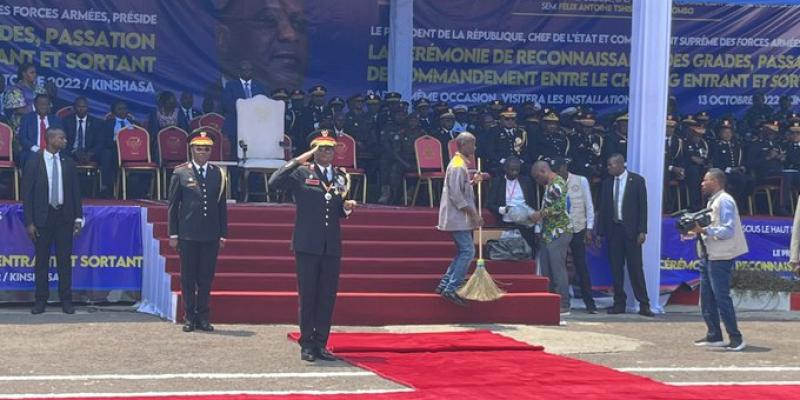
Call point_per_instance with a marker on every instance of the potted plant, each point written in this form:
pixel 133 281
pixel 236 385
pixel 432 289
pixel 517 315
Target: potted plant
pixel 762 290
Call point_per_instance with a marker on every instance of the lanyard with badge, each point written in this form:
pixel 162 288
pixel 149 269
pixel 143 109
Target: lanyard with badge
pixel 510 195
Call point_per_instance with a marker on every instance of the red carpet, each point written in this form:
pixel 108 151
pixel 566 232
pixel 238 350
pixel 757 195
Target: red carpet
pixel 393 258
pixel 481 365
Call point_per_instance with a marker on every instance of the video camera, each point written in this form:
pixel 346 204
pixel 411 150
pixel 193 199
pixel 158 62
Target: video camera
pixel 686 220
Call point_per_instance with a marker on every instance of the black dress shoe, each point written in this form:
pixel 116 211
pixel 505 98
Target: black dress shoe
pixel 324 355
pixel 67 307
pixel 188 326
pixel 646 312
pixel 38 307
pixel 205 326
pixel 307 354
pixel 613 310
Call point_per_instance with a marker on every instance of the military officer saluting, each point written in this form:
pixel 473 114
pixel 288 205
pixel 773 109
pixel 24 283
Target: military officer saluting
pixel 198 225
pixel 727 155
pixel 319 193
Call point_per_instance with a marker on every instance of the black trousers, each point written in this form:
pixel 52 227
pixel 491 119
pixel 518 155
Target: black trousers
pixel 56 230
pixel 317 284
pixel 624 251
pixel 694 176
pixel 198 263
pixel 578 247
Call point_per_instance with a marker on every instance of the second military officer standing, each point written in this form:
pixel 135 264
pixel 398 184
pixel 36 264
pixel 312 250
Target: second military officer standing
pixel 198 225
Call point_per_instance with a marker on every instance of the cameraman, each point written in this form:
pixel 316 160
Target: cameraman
pixel 719 243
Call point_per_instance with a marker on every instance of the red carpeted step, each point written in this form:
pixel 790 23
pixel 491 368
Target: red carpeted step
pixel 385 309
pixel 270 231
pixel 284 213
pixel 372 283
pixel 353 265
pixel 382 249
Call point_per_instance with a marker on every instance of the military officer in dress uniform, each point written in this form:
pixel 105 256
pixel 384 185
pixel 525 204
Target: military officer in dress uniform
pixel 315 111
pixel 765 155
pixel 552 142
pixel 791 167
pixel 586 148
pixel 336 105
pixel 198 226
pixel 674 163
pixel 404 155
pixel 319 193
pixel 295 119
pixel 697 161
pixel 423 108
pixel 507 140
pixel 617 141
pixel 495 108
pixel 393 128
pixel 446 132
pixel 727 155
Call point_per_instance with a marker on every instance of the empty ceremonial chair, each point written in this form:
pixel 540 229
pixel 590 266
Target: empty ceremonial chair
pixel 430 167
pixel 7 156
pixel 195 122
pixel 172 151
pixel 133 151
pixel 65 112
pixel 260 126
pixel 345 157
pixel 211 119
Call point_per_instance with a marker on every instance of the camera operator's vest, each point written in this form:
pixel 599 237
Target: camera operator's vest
pixel 727 249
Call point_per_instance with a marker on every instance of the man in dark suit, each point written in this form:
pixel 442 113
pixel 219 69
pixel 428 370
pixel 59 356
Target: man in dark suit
pixel 187 112
pixel 319 192
pixel 83 133
pixel 106 146
pixel 512 190
pixel 243 88
pixel 623 220
pixel 53 214
pixel 33 127
pixel 198 226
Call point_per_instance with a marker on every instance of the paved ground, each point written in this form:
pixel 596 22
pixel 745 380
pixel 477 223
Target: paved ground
pixel 115 350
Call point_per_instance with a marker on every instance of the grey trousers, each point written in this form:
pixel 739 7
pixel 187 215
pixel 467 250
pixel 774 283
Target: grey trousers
pixel 553 265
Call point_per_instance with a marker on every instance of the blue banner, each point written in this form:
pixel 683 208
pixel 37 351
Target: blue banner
pixel 767 239
pixel 133 49
pixel 107 254
pixel 576 52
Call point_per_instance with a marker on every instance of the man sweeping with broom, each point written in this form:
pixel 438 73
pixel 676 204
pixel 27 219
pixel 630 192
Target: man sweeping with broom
pixel 458 215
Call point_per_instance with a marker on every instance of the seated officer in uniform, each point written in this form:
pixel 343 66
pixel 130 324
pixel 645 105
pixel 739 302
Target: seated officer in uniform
pixel 198 225
pixel 319 192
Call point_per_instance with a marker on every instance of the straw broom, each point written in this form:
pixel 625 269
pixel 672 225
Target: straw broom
pixel 480 286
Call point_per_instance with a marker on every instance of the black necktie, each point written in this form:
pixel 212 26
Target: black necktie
pixel 80 134
pixel 202 172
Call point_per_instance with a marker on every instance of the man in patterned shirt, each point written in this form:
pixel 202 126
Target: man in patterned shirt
pixel 556 231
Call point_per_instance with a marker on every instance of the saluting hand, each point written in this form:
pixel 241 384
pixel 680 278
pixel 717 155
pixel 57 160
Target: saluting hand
pixel 307 155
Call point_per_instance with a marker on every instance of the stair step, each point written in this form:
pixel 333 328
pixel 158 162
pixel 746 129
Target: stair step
pixel 376 249
pixel 372 309
pixel 372 283
pixel 354 265
pixel 276 231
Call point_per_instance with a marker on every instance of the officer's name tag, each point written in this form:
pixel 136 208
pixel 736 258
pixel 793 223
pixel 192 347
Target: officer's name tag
pixel 312 182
